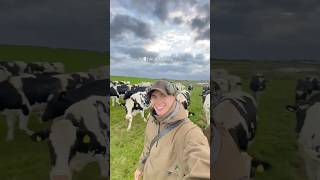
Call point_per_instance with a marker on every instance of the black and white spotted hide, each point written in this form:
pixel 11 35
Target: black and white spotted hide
pixel 237 113
pixel 59 102
pixel 206 108
pixel 137 103
pixel 80 137
pixel 257 86
pixel 114 95
pixel 184 97
pixel 134 90
pixel 21 95
pixel 307 114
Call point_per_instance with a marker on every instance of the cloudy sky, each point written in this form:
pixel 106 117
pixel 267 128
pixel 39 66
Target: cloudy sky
pixel 160 38
pixel 76 24
pixel 266 29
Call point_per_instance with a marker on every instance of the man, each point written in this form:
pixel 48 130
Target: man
pixel 174 147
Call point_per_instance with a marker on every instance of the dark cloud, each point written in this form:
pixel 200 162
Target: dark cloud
pixel 64 24
pixel 202 24
pixel 137 52
pixel 177 20
pixel 161 9
pixel 203 34
pixel 124 24
pixel 266 29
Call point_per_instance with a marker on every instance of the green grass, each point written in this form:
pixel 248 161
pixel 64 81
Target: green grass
pixel 275 141
pixel 73 59
pixel 126 146
pixel 22 159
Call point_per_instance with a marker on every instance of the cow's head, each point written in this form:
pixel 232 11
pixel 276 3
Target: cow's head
pixel 304 89
pixel 65 141
pixel 4 74
pixel 56 106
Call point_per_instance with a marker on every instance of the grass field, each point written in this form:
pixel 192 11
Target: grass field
pixel 22 159
pixel 275 141
pixel 127 146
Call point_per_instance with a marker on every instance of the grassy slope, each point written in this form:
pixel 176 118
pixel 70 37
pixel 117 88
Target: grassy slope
pixel 21 158
pixel 74 60
pixel 126 146
pixel 275 141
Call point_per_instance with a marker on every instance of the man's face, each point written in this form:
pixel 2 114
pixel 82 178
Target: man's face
pixel 161 103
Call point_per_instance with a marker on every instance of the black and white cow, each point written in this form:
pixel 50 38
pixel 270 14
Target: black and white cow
pixel 79 137
pixel 117 91
pixel 258 85
pixel 4 74
pixel 237 112
pixel 185 98
pixel 190 87
pixel 307 110
pixel 41 67
pixel 21 95
pixel 74 80
pixel 123 88
pixel 234 82
pixel 18 67
pixel 114 95
pixel 59 102
pixel 134 90
pixel 15 68
pixel 206 108
pixel 205 92
pixel 136 103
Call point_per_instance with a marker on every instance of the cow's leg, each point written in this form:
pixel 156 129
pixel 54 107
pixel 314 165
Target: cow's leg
pixel 23 123
pixel 129 123
pixel 103 165
pixel 10 118
pixel 117 100
pixel 142 116
pixel 112 100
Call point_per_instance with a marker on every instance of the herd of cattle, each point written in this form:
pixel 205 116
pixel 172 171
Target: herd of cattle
pixel 135 98
pixel 76 108
pixel 74 105
pixel 236 111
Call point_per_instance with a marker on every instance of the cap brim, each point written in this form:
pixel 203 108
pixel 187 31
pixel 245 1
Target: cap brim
pixel 156 89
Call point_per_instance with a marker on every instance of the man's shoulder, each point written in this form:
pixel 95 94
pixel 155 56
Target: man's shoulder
pixel 190 131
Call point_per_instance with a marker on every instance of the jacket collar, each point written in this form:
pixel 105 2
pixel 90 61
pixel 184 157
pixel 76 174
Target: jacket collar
pixel 175 113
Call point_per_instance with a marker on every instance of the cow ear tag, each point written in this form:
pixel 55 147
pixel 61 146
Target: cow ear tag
pixel 260 168
pixel 38 139
pixel 86 139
